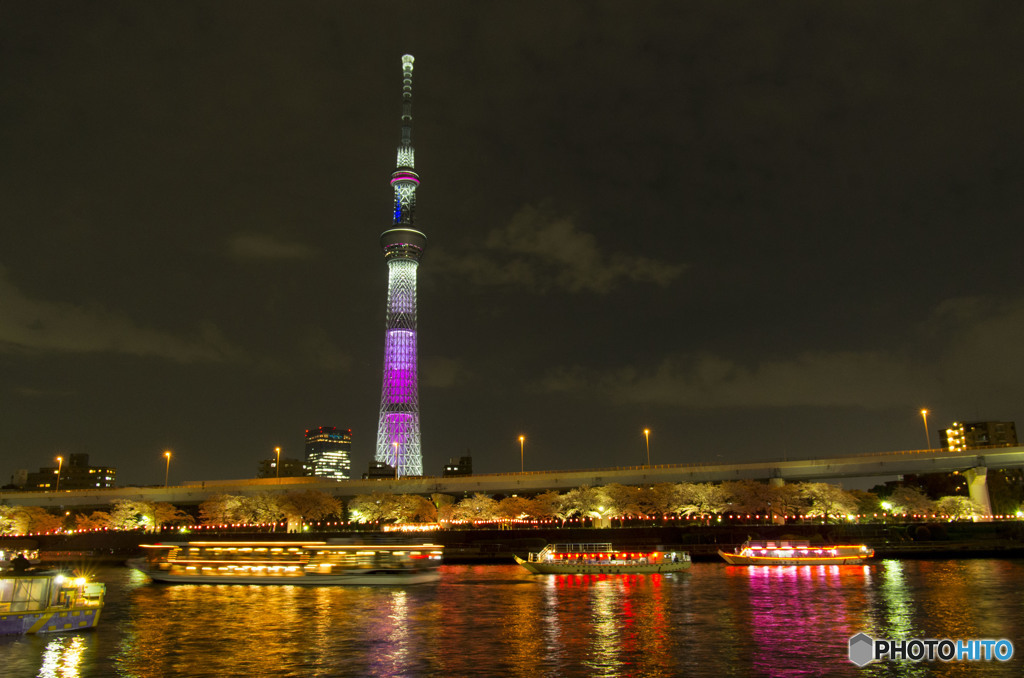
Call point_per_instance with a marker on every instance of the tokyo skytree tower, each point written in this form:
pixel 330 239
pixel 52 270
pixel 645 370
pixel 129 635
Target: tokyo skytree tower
pixel 398 430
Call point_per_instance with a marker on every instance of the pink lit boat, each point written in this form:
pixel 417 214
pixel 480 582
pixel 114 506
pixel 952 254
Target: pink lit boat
pixel 796 553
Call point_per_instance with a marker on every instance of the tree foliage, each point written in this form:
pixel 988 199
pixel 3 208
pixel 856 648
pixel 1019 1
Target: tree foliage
pixel 548 506
pixel 368 508
pixel 478 507
pixel 911 500
pixel 27 519
pixel 868 503
pixel 827 500
pixel 701 499
pixel 958 507
pixel 444 505
pixel 131 514
pixel 515 508
pixel 751 496
pixel 300 507
pixel 97 520
pixel 219 509
pixel 587 502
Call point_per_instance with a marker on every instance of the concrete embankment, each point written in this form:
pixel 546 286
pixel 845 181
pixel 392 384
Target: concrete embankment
pixel 915 540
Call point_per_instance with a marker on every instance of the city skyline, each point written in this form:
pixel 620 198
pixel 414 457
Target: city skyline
pixel 758 233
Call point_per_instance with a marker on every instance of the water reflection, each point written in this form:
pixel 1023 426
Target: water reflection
pixel 898 604
pixel 800 613
pixel 495 620
pixel 62 657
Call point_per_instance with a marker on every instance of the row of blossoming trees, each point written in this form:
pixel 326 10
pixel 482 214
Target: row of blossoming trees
pixel 293 508
pixel 743 498
pixel 740 498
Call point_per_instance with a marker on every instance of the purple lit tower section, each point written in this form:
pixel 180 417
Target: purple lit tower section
pixel 398 430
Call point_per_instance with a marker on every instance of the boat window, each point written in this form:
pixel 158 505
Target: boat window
pixel 30 594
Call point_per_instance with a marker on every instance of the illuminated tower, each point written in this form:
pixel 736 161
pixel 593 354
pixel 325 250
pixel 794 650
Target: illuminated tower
pixel 398 430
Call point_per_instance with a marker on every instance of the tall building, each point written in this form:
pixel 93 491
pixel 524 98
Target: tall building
pixel 398 429
pixel 327 452
pixel 969 435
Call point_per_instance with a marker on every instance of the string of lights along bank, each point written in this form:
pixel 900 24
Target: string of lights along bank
pixel 398 429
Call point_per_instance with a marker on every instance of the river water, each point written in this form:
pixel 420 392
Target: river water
pixel 498 620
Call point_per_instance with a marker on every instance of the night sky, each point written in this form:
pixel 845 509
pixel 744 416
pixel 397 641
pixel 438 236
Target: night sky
pixel 761 230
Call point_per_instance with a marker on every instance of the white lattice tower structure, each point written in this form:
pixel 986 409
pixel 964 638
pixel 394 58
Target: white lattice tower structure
pixel 398 429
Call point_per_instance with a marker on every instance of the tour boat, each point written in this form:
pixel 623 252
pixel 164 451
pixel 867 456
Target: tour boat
pixel 48 602
pixel 796 553
pixel 290 562
pixel 602 559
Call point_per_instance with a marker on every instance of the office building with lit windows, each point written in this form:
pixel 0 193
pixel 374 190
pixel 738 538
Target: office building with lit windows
pixel 75 474
pixel 973 434
pixel 290 468
pixel 458 466
pixel 328 452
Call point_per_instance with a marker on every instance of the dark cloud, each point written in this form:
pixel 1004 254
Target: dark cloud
pixel 973 345
pixel 539 252
pixel 39 326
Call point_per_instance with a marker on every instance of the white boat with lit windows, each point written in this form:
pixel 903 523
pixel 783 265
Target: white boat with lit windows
pixel 602 559
pixel 796 552
pixel 290 563
pixel 48 602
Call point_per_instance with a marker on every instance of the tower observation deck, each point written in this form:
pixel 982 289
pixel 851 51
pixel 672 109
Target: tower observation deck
pixel 398 429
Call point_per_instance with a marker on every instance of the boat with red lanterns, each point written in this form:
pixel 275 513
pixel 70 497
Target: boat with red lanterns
pixel 602 559
pixel 796 552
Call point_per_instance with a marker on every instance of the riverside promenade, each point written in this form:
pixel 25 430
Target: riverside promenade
pixel 468 545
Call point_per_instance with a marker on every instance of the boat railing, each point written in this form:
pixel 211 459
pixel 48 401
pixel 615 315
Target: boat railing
pixel 570 549
pixel 581 548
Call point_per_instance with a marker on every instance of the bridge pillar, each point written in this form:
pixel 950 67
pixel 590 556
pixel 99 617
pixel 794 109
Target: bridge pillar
pixel 977 483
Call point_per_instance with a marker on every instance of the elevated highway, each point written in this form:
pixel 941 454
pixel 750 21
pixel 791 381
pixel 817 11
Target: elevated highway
pixel 972 463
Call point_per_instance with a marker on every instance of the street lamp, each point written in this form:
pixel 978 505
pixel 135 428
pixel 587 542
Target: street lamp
pixel 60 465
pixel 522 440
pixel 167 473
pixel 927 435
pixel 277 465
pixel 647 439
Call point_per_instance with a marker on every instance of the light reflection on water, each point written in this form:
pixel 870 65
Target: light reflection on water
pixel 714 620
pixel 62 657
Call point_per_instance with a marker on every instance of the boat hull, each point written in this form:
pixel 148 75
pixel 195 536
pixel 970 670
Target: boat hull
pixel 602 568
pixel 735 559
pixel 365 578
pixel 50 620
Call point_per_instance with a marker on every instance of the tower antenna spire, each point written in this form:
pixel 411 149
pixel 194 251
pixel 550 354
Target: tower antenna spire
pixel 407 62
pixel 398 429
